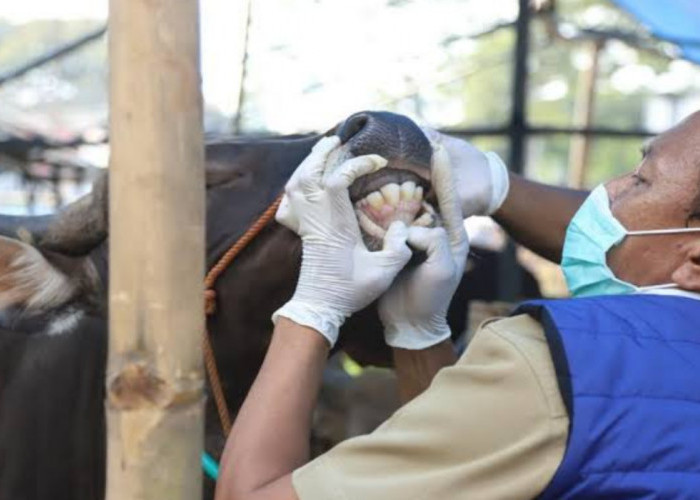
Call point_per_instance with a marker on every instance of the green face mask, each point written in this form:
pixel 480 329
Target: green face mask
pixel 592 232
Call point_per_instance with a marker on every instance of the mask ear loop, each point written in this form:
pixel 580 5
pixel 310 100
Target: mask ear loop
pixel 664 231
pixel 649 288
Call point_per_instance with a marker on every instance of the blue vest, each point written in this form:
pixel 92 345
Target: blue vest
pixel 628 368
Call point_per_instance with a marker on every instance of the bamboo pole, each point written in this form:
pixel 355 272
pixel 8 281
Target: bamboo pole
pixel 155 379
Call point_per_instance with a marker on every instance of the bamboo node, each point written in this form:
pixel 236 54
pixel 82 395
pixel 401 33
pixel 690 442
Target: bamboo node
pixel 136 387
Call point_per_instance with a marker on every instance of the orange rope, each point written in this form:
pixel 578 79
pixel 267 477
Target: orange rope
pixel 215 383
pixel 210 308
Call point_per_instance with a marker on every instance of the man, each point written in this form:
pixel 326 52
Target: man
pixel 589 397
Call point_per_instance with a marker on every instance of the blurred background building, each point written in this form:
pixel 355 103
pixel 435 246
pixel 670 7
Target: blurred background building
pixel 602 76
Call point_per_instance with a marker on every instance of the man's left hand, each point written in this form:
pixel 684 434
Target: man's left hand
pixel 339 275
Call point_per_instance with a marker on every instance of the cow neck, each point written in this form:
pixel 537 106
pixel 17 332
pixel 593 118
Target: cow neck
pixel 210 307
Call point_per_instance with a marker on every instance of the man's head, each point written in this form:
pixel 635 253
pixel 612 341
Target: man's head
pixel 662 192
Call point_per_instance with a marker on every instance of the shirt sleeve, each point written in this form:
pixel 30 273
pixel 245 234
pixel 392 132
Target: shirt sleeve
pixel 493 426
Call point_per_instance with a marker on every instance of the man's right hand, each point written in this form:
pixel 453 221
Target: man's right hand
pixel 414 310
pixel 481 178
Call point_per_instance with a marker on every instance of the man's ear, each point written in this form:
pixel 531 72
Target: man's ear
pixel 687 275
pixel 28 280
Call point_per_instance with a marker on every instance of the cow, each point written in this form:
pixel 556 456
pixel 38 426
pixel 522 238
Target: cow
pixel 53 283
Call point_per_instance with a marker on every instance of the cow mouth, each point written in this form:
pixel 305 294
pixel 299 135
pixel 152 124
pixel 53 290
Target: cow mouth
pixel 401 191
pixel 389 195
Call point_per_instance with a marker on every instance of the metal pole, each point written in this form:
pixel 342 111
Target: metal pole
pixel 519 101
pixel 52 54
pixel 156 309
pixel 238 117
pixel 545 130
pixel 510 277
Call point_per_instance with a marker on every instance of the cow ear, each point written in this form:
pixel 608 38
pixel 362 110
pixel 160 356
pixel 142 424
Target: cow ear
pixel 28 280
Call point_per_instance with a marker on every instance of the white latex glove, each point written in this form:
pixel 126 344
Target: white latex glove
pixel 481 178
pixel 338 276
pixel 414 310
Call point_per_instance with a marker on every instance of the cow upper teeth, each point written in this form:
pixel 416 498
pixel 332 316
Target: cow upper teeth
pixel 408 188
pixel 375 199
pixel 418 193
pixel 391 193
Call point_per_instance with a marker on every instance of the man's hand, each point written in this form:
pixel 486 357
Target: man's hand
pixel 534 214
pixel 481 179
pixel 339 276
pixel 414 309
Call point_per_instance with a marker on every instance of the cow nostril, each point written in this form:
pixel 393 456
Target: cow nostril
pixel 352 127
pixel 387 134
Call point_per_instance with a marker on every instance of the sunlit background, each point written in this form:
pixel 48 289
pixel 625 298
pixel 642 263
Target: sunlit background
pixel 289 66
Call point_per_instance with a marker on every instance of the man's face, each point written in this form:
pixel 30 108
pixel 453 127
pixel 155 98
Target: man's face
pixel 660 193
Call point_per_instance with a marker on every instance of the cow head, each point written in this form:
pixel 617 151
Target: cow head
pixel 243 177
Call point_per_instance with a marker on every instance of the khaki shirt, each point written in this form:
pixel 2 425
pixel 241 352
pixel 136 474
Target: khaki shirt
pixel 493 426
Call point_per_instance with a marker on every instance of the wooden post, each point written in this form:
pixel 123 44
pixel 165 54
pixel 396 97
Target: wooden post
pixel 155 379
pixel 584 107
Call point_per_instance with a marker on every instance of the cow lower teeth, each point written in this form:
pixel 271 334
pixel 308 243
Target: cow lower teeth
pixel 369 226
pixel 428 208
pixel 424 220
pixel 376 211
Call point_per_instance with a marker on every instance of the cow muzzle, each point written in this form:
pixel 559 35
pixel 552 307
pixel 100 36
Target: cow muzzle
pixel 400 191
